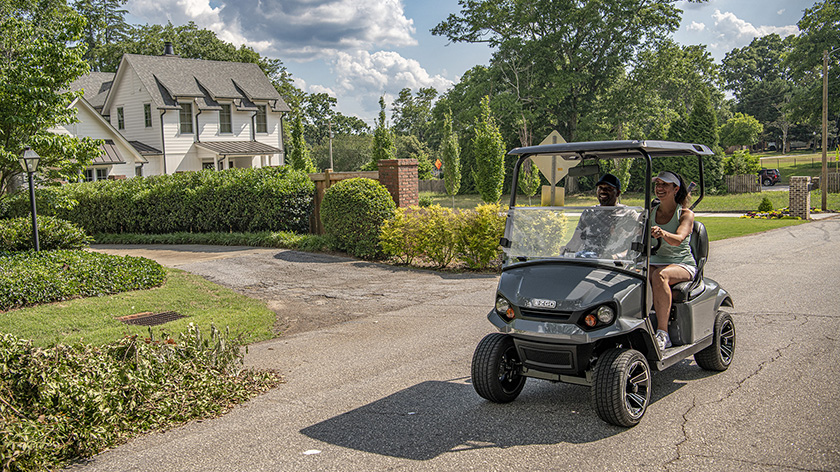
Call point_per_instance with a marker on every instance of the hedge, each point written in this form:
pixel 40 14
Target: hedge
pixel 235 200
pixel 352 213
pixel 29 278
pixel 53 233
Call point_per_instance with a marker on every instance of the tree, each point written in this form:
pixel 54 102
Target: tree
pixel 350 152
pixel 489 155
pixel 575 49
pixel 529 179
pixel 42 55
pixel 411 114
pixel 450 155
pixel 383 138
pixel 740 130
pixel 106 26
pixel 298 157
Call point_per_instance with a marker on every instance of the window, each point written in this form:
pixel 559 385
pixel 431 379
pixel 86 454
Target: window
pixel 120 118
pixel 89 175
pixel 262 125
pixel 102 174
pixel 186 118
pixel 225 125
pixel 208 165
pixel 147 114
pixel 99 173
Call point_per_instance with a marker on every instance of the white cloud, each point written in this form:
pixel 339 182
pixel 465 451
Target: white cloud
pixel 781 12
pixel 321 89
pixel 291 29
pixel 695 26
pixel 383 70
pixel 731 31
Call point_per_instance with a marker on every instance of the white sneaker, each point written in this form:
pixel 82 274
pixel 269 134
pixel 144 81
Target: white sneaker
pixel 663 339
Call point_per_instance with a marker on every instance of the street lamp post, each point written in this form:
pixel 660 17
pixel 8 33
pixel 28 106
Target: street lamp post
pixel 824 171
pixel 29 162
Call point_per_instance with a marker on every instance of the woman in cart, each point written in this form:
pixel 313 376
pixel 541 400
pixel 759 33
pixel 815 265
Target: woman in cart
pixel 673 263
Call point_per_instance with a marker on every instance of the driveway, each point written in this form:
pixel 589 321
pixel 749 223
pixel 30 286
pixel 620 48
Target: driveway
pixel 388 388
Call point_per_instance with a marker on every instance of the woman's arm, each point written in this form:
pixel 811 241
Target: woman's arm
pixel 683 230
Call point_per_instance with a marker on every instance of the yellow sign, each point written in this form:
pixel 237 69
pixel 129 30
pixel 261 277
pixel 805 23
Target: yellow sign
pixel 553 166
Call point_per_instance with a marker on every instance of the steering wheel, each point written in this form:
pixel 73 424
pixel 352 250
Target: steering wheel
pixel 656 247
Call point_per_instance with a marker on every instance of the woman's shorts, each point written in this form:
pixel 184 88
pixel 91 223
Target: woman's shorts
pixel 692 271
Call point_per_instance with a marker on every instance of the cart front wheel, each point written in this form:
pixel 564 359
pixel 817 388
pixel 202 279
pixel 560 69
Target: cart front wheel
pixel 496 374
pixel 719 355
pixel 621 388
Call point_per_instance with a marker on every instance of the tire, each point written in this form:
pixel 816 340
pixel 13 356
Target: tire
pixel 719 355
pixel 496 367
pixel 766 182
pixel 622 386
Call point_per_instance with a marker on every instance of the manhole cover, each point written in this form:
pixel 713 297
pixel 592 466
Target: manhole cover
pixel 151 319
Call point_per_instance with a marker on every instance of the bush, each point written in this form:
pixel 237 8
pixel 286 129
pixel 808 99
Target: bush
pixel 353 212
pixel 478 235
pixel 425 201
pixel 29 278
pixel 69 402
pixel 243 200
pixel 741 162
pixel 765 205
pixel 53 233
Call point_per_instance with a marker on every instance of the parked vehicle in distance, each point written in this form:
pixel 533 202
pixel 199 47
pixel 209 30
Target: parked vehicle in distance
pixel 769 177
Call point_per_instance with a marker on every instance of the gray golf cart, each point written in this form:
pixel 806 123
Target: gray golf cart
pixel 574 304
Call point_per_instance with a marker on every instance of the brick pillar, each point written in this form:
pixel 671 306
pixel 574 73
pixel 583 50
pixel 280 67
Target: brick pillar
pixel 399 176
pixel 800 197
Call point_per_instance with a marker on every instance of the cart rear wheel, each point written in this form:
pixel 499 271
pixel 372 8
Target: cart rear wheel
pixel 496 373
pixel 621 388
pixel 719 355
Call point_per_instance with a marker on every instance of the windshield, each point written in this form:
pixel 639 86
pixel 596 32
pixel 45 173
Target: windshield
pixel 610 233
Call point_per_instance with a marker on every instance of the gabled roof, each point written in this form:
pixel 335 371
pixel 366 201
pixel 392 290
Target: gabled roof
pixel 96 86
pixel 111 154
pixel 169 78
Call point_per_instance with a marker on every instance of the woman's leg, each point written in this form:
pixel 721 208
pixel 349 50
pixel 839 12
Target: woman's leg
pixel 661 279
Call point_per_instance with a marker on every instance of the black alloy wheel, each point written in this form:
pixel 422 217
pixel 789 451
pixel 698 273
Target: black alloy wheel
pixel 622 387
pixel 496 369
pixel 719 355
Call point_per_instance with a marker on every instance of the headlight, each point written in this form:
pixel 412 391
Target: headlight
pixel 502 305
pixel 605 314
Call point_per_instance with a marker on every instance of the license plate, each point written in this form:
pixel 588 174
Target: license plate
pixel 541 303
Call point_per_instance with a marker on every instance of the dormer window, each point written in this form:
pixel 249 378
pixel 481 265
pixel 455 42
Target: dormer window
pixel 262 123
pixel 225 121
pixel 186 118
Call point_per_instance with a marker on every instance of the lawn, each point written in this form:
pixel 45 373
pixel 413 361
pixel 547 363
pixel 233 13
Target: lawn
pixel 803 164
pixel 93 320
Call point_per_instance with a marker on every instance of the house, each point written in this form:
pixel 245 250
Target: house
pixel 119 158
pixel 190 114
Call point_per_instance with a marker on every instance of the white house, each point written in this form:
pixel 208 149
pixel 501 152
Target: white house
pixel 191 114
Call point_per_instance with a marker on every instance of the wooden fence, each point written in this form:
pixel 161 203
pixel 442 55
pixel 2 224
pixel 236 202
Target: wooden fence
pixel 436 186
pixel 743 183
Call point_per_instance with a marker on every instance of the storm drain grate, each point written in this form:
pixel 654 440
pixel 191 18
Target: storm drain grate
pixel 151 319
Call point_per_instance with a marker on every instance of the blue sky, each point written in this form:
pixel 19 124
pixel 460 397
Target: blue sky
pixel 357 50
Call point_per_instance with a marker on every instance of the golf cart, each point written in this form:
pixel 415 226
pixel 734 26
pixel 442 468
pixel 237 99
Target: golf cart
pixel 575 305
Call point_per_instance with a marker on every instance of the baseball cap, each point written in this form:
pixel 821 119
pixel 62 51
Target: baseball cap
pixel 610 179
pixel 668 177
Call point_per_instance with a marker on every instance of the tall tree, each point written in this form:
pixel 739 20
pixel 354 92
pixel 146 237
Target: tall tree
pixel 740 130
pixel 42 54
pixel 450 154
pixel 489 155
pixel 383 138
pixel 411 114
pixel 298 157
pixel 576 48
pixel 106 27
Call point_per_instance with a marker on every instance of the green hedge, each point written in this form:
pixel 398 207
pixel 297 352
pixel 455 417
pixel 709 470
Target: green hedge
pixel 352 212
pixel 53 233
pixel 238 200
pixel 29 278
pixel 64 403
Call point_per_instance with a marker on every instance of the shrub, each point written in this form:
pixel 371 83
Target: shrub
pixel 741 162
pixel 353 212
pixel 478 235
pixel 765 205
pixel 401 235
pixel 69 402
pixel 53 233
pixel 29 278
pixel 436 229
pixel 425 201
pixel 245 200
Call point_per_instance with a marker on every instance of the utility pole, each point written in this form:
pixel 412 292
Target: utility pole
pixel 824 173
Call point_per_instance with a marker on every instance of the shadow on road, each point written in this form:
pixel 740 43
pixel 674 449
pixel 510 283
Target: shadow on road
pixel 436 417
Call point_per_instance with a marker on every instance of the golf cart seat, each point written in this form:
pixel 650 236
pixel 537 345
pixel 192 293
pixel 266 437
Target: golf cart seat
pixel 685 291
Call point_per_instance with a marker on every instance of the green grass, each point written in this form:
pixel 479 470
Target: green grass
pixel 93 320
pixel 805 165
pixel 723 227
pixel 735 203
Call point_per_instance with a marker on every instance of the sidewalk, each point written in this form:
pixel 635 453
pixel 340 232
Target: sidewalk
pixel 814 216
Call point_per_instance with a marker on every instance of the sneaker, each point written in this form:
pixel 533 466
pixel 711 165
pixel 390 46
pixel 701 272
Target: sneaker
pixel 663 339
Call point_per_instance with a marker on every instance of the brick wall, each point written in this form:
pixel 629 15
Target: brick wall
pixel 800 197
pixel 399 176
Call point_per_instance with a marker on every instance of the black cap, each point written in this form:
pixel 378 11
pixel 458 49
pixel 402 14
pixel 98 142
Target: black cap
pixel 610 179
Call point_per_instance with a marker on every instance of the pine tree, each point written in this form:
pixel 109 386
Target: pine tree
pixel 489 151
pixel 298 157
pixel 450 154
pixel 702 127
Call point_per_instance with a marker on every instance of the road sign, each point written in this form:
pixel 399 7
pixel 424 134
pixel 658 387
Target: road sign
pixel 552 166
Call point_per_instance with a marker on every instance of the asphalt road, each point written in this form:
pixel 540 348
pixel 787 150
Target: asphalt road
pixel 389 389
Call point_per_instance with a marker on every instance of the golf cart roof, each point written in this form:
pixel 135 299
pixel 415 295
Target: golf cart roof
pixel 615 149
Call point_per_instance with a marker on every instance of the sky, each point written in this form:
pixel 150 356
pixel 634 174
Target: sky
pixel 359 50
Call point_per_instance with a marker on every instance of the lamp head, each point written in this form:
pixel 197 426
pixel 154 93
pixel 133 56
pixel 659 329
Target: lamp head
pixel 29 160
